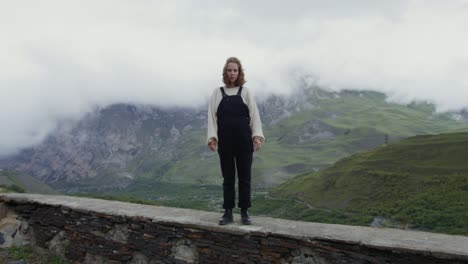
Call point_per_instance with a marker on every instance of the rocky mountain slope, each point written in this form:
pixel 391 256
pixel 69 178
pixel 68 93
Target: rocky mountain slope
pixel 312 128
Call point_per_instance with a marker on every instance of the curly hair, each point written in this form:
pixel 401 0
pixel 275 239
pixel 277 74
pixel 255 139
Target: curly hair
pixel 240 78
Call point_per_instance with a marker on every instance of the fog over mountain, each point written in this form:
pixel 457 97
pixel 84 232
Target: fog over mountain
pixel 61 60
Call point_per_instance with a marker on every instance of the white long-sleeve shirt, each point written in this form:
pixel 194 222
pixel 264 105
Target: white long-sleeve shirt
pixel 247 97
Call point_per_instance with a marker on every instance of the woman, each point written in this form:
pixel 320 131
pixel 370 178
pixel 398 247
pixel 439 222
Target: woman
pixel 235 130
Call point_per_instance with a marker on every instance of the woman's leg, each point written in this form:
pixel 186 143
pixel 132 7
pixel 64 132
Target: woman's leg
pixel 228 169
pixel 244 171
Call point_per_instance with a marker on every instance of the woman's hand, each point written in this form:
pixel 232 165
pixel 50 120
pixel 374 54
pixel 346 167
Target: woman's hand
pixel 257 142
pixel 213 144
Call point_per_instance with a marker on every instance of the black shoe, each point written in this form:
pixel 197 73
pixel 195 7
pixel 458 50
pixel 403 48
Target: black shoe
pixel 245 218
pixel 226 218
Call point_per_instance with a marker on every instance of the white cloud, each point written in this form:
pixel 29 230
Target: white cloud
pixel 61 58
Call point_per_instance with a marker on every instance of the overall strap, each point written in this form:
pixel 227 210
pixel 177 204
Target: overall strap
pixel 240 91
pixel 222 91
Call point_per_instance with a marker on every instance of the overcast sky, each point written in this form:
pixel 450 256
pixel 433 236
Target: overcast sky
pixel 61 58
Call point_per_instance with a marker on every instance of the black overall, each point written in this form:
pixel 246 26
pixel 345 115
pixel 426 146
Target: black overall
pixel 235 148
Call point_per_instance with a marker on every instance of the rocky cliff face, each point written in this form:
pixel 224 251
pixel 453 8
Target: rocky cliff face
pixel 105 147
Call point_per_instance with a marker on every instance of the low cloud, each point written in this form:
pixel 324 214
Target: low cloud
pixel 61 59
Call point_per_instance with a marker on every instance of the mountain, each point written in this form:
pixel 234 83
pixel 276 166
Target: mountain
pixel 122 146
pixel 108 147
pixel 420 182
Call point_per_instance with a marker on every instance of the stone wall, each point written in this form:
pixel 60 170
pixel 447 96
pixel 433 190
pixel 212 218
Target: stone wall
pixel 87 230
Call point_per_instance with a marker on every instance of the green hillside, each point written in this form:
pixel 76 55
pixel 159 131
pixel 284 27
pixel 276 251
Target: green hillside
pixel 11 181
pixel 420 182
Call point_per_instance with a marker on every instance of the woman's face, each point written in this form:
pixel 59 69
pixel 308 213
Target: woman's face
pixel 232 71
